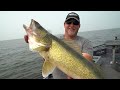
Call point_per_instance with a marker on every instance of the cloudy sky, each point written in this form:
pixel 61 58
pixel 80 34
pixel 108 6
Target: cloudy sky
pixel 11 22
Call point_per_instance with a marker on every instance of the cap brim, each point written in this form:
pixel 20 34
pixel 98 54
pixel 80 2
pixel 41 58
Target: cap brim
pixel 72 18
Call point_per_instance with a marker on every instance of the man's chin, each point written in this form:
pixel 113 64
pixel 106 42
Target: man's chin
pixel 71 34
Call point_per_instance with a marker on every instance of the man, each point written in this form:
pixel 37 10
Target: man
pixel 80 44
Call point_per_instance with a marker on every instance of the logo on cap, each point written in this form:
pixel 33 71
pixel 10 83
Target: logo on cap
pixel 73 15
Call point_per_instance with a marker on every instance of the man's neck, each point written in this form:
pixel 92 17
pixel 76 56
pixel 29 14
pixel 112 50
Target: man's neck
pixel 69 37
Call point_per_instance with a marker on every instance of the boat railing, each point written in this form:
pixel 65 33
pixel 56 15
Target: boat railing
pixel 96 58
pixel 102 46
pixel 99 50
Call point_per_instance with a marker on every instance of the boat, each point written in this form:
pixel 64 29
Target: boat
pixel 107 56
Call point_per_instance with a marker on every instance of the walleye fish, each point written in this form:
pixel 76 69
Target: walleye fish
pixel 58 54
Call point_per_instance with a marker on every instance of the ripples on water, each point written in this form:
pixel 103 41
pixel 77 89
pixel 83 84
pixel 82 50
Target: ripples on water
pixel 17 62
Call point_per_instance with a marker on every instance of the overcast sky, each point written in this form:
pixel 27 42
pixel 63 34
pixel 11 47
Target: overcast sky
pixel 11 22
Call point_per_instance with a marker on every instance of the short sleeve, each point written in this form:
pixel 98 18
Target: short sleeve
pixel 87 47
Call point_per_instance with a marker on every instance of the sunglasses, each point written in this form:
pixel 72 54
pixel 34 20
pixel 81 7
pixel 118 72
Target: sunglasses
pixel 75 22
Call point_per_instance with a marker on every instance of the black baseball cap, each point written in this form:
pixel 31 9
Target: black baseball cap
pixel 73 15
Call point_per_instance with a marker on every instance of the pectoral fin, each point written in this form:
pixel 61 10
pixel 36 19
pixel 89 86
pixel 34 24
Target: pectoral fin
pixel 47 68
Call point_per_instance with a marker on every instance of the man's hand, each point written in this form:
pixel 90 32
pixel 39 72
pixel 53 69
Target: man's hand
pixel 69 77
pixel 87 56
pixel 26 38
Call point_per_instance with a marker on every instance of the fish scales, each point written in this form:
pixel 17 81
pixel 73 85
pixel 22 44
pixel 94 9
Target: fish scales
pixel 58 53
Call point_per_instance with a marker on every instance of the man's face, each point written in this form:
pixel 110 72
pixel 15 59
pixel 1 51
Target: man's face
pixel 71 27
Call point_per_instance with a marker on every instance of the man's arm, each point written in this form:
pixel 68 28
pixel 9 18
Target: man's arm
pixel 87 51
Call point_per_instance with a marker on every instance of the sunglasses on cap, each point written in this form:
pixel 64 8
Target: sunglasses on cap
pixel 75 22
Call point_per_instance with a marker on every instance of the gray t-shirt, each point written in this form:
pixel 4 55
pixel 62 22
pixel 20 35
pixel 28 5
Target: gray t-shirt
pixel 85 46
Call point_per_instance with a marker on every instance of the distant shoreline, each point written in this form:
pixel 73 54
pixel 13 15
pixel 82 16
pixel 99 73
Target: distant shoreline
pixel 80 32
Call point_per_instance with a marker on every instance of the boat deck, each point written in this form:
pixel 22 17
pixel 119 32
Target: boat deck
pixel 111 71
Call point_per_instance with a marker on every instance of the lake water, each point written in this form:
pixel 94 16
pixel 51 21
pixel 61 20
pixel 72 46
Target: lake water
pixel 18 62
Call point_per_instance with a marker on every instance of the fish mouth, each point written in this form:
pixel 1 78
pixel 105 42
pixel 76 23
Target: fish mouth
pixel 36 36
pixel 30 30
pixel 32 35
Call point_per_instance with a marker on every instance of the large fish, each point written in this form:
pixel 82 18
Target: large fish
pixel 58 54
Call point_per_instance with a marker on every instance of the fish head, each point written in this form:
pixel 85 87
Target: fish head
pixel 38 37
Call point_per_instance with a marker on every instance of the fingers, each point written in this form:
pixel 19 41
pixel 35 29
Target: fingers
pixel 87 56
pixel 69 77
pixel 26 38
